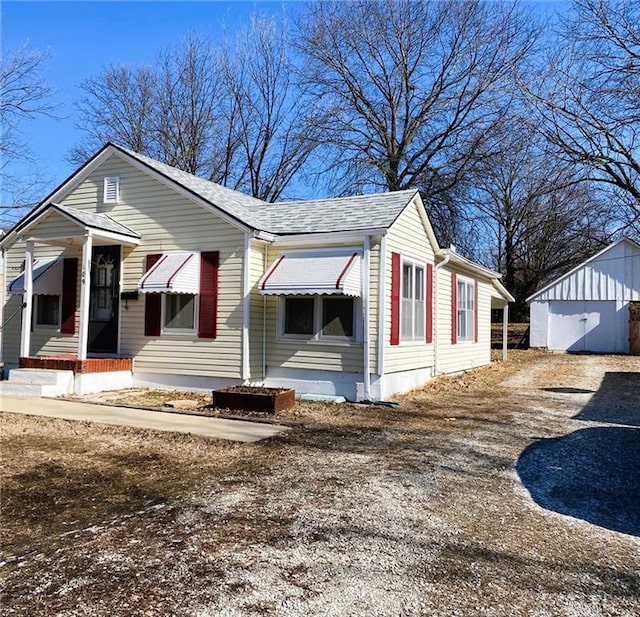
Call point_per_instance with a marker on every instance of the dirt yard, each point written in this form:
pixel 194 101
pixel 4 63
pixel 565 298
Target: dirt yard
pixel 511 490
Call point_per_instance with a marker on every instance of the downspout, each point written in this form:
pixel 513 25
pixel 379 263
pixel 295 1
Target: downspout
pixel 246 307
pixel 365 314
pixel 436 334
pixel 265 256
pixel 382 297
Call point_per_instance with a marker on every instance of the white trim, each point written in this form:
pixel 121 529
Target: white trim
pixel 436 300
pixel 366 263
pixel 417 201
pixel 321 238
pixel 85 300
pixel 415 264
pixel 180 332
pixel 27 299
pixel 382 307
pixel 317 337
pixel 246 306
pixel 468 282
pixel 505 330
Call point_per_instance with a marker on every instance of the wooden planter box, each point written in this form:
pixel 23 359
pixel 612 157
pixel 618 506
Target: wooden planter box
pixel 247 398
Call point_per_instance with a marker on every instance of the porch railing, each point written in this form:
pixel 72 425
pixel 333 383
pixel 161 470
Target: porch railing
pixel 8 320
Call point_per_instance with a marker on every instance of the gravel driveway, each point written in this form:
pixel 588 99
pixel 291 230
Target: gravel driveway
pixel 514 491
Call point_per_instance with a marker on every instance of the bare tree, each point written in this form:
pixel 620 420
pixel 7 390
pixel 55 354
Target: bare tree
pixel 170 111
pixel 231 114
pixel 189 126
pixel 271 112
pixel 589 106
pixel 407 90
pixel 538 216
pixel 24 95
pixel 118 105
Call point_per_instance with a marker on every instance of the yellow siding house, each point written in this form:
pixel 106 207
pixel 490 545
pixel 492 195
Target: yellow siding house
pixel 138 270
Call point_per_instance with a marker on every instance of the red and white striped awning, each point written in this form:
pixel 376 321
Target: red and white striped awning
pixel 319 272
pixel 177 273
pixel 47 278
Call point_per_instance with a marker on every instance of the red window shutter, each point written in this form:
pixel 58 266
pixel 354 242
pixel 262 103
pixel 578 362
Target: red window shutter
pixel 208 301
pixel 152 303
pixel 395 298
pixel 69 295
pixel 454 308
pixel 429 305
pixel 475 311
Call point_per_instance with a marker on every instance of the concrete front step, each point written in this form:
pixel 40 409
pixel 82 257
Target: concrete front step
pixel 15 388
pixel 37 382
pixel 45 377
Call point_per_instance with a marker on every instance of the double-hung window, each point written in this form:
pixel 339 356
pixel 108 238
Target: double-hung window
pixel 413 302
pixel 321 318
pixel 465 298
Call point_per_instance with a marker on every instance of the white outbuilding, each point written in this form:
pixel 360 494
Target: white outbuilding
pixel 593 307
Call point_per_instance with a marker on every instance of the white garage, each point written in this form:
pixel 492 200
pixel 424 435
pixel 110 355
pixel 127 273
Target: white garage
pixel 588 309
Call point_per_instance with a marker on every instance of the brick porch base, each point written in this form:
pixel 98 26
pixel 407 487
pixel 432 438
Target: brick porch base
pixel 71 363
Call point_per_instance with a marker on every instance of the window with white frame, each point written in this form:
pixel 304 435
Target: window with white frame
pixel 47 310
pixel 413 302
pixel 179 313
pixel 465 310
pixel 322 318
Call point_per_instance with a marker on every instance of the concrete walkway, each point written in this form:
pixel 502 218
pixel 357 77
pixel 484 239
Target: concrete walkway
pixel 214 428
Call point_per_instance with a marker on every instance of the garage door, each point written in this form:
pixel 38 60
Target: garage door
pixel 582 326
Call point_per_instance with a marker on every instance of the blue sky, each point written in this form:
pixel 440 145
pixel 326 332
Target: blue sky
pixel 83 37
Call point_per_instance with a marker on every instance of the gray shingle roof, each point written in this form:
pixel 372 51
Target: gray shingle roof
pixel 354 213
pixel 96 220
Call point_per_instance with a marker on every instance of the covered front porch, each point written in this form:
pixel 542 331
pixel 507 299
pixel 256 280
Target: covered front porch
pixel 70 289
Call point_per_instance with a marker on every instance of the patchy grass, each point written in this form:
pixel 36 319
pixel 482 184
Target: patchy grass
pixel 415 510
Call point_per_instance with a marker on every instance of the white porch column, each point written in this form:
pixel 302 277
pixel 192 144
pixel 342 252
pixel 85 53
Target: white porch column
pixel 85 286
pixel 27 299
pixel 366 277
pixel 505 330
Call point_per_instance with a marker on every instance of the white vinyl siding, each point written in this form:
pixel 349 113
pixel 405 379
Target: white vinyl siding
pixel 613 275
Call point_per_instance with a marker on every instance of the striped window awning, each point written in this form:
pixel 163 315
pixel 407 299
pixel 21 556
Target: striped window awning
pixel 47 278
pixel 314 273
pixel 173 273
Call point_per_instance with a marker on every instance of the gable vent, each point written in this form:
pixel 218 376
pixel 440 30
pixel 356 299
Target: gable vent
pixel 111 189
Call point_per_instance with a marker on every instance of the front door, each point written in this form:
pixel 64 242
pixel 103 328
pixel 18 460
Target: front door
pixel 104 300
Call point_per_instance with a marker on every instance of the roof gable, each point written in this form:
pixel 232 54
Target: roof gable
pixel 581 265
pixel 357 213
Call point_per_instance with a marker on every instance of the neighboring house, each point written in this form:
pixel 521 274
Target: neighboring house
pixel 588 309
pixel 167 279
